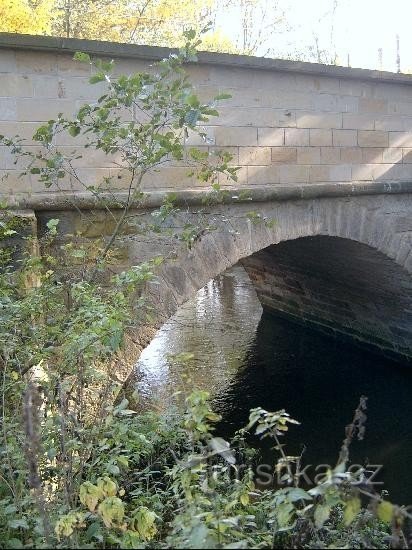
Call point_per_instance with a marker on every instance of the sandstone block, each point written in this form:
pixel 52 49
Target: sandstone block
pixel 308 155
pixel 296 137
pixel 330 155
pixel 262 175
pixel 369 105
pixel 284 155
pixel 320 137
pixel 294 174
pixel 351 155
pixel 345 138
pixel 271 136
pixel 354 121
pixel 372 155
pixel 318 120
pixel 244 136
pixel 392 155
pixel 372 138
pixel 259 156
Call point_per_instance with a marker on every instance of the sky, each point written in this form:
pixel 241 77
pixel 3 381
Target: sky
pixel 354 28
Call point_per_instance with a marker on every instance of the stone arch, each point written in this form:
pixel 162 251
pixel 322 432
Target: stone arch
pixel 380 223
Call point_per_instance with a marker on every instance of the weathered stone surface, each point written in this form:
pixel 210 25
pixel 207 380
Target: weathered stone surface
pixel 356 117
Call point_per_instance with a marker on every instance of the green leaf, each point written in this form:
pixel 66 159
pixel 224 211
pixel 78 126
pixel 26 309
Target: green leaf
pixel 98 77
pixel 18 524
pixel 74 130
pixel 222 96
pixel 82 57
pixel 34 170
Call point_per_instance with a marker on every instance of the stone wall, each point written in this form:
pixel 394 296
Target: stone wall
pixel 287 123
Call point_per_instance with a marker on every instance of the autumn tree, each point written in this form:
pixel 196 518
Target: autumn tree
pixel 26 16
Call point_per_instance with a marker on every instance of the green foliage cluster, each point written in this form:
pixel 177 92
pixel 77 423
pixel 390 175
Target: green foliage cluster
pixel 80 469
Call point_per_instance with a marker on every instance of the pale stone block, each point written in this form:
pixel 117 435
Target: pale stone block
pixel 172 177
pixel 13 161
pixel 351 155
pixel 90 157
pixel 46 86
pixel 296 137
pixel 258 156
pixel 325 102
pixel 308 155
pixel 319 174
pixel 234 151
pixel 394 123
pixel 284 155
pixel 345 138
pixel 372 155
pixel 400 139
pixel 255 116
pixel 66 64
pixel 194 139
pixel 335 173
pixel 363 172
pixel 36 110
pixel 15 85
pixel 25 130
pixel 354 88
pixel 407 155
pixel 407 123
pixel 241 174
pixel 352 121
pixel 347 104
pixel 80 88
pixel 8 108
pixel 369 105
pixel 262 175
pixel 29 62
pixel 271 136
pixel 340 172
pixel 7 61
pixel 294 174
pixel 372 138
pixel 392 155
pixel 318 120
pixel 320 137
pixel 326 84
pixel 236 136
pixel 400 107
pixel 330 155
pixel 11 182
pixel 289 99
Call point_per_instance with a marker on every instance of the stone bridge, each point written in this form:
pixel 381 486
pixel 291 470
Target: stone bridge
pixel 325 153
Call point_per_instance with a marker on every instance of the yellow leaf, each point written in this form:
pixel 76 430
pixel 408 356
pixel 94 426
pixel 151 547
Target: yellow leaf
pixel 385 511
pixel 352 508
pixel 244 499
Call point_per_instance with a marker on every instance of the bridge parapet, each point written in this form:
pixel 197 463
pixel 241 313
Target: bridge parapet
pixel 288 124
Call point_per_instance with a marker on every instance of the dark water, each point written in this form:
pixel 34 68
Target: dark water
pixel 246 359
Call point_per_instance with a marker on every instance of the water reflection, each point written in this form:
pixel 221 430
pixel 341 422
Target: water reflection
pixel 217 327
pixel 246 360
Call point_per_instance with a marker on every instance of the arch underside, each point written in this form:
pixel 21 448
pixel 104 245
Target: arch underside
pixel 343 265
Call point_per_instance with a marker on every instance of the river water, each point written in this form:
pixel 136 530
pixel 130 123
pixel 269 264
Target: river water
pixel 222 342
